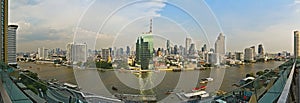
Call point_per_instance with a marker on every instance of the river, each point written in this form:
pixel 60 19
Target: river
pixel 157 83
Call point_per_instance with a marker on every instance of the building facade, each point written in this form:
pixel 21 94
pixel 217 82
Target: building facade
pixel 248 57
pixel 220 44
pixel 144 52
pixel 11 45
pixel 4 31
pixel 77 52
pixel 188 42
pixel 296 44
pixel 260 49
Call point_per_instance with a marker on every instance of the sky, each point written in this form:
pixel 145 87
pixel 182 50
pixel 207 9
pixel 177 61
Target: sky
pixel 118 23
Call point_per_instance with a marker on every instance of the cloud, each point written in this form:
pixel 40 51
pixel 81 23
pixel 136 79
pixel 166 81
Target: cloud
pixel 56 20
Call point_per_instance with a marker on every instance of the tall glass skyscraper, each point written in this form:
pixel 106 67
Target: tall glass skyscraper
pixel 296 44
pixel 4 30
pixel 11 45
pixel 220 44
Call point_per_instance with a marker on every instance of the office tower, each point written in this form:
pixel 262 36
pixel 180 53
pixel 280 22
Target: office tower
pixel 254 52
pixel 296 44
pixel 77 52
pixel 213 58
pixel 239 56
pixel 187 44
pixel 204 48
pixel 181 50
pixel 220 45
pixel 4 31
pixel 143 54
pixel 144 49
pixel 249 56
pixel 260 50
pixel 127 50
pixel 168 47
pixel 11 45
pixel 42 53
pixel 192 49
pixel 175 49
pixel 106 54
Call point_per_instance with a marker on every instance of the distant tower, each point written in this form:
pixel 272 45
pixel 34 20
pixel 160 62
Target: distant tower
pixel 150 32
pixel 296 44
pixel 220 47
pixel 220 44
pixel 254 53
pixel 168 46
pixel 11 45
pixel 4 31
pixel 249 56
pixel 187 44
pixel 260 50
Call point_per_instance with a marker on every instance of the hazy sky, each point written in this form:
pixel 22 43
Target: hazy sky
pixel 106 23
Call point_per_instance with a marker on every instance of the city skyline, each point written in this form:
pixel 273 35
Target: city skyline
pixel 37 28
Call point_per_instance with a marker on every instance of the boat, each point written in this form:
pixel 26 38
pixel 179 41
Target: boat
pixel 203 94
pixel 198 89
pixel 203 82
pixel 169 92
pixel 209 79
pixel 114 88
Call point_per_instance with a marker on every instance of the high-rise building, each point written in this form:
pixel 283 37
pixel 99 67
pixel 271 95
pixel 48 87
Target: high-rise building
pixel 143 54
pixel 188 42
pixel 239 56
pixel 42 53
pixel 11 45
pixel 192 49
pixel 204 48
pixel 249 56
pixel 144 49
pixel 77 52
pixel 260 50
pixel 127 50
pixel 106 54
pixel 4 31
pixel 296 44
pixel 220 44
pixel 168 47
pixel 175 49
pixel 213 58
pixel 254 53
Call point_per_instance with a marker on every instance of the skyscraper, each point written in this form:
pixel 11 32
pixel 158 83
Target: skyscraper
pixel 260 50
pixel 42 53
pixel 77 52
pixel 249 56
pixel 254 53
pixel 106 54
pixel 144 49
pixel 168 47
pixel 127 50
pixel 4 31
pixel 143 54
pixel 296 44
pixel 220 45
pixel 187 44
pixel 11 45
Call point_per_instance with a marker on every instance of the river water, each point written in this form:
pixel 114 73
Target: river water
pixel 157 83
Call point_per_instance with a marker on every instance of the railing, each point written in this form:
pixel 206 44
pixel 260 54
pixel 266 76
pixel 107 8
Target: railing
pixel 284 97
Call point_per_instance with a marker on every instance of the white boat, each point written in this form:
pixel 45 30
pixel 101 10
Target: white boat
pixel 209 79
pixel 203 94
